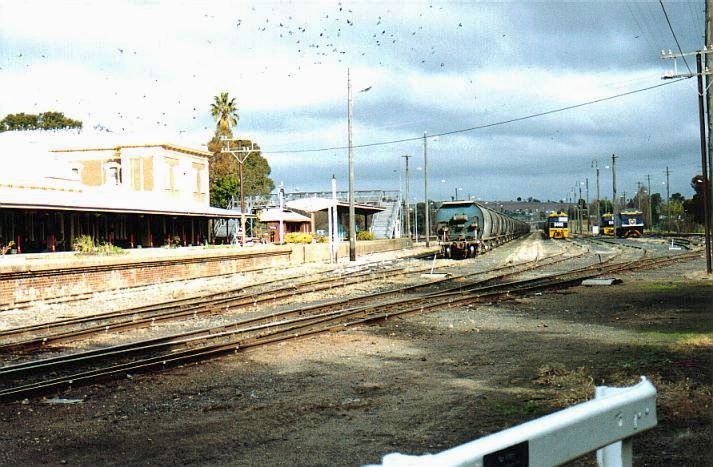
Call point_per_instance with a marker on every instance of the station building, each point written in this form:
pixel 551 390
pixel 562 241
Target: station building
pixel 58 185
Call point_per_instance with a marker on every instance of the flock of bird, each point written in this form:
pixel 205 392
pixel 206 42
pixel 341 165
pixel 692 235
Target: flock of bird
pixel 331 35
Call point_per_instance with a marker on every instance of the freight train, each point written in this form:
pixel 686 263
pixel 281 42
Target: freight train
pixel 466 228
pixel 557 225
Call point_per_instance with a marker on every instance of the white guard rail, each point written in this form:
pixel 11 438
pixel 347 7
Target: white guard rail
pixel 611 419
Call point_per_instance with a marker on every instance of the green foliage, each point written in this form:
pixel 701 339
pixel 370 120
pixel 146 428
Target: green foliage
pixel 85 245
pixel 322 239
pixel 224 171
pixel 365 235
pixel 298 237
pixel 225 111
pixel 43 121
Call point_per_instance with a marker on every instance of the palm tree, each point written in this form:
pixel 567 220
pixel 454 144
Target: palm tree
pixel 225 111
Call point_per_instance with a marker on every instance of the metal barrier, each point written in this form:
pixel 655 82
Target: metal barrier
pixel 609 422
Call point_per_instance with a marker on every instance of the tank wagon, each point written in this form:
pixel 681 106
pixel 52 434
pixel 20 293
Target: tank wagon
pixel 466 228
pixel 557 225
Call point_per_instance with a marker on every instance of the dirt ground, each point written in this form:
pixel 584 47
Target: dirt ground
pixel 416 384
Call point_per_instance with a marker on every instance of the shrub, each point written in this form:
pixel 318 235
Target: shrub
pixel 298 237
pixel 5 248
pixel 322 239
pixel 84 245
pixel 365 235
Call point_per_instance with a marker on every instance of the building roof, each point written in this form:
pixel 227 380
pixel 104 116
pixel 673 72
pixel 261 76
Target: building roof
pixel 277 214
pixel 97 200
pixel 321 204
pixel 173 147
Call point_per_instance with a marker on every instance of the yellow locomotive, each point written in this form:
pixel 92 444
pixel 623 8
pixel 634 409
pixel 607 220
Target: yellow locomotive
pixel 607 224
pixel 557 225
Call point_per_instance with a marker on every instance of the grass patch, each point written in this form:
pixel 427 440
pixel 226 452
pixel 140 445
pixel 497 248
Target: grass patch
pixel 659 286
pixel 681 339
pixel 519 409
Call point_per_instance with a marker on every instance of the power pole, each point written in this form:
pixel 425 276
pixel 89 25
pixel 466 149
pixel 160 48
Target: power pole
pixel 709 96
pixel 426 208
pixel 240 156
pixel 707 50
pixel 638 195
pixel 352 222
pixel 599 203
pixel 668 197
pixel 648 198
pixel 613 185
pixel 408 212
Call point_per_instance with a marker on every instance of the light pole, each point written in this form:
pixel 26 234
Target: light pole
pixel 613 188
pixel 426 219
pixel 352 215
pixel 408 211
pixel 456 198
pixel 595 164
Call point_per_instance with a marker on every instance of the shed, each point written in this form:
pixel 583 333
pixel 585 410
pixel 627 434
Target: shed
pixel 280 222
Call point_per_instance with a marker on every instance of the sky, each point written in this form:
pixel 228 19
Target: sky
pixel 471 72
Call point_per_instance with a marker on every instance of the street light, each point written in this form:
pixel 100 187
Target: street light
pixel 456 198
pixel 352 215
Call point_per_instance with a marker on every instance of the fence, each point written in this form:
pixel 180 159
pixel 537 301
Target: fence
pixel 609 422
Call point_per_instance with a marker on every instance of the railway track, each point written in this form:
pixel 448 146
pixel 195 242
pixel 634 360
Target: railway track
pixel 47 375
pixel 180 348
pixel 45 334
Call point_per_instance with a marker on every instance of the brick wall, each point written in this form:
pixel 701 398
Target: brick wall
pixel 24 284
pixel 54 278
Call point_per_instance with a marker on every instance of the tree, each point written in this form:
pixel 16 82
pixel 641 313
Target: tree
pixel 694 206
pixel 43 121
pixel 225 111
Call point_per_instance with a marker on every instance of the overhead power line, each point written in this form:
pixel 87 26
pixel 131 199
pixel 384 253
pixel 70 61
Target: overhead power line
pixel 674 35
pixel 479 127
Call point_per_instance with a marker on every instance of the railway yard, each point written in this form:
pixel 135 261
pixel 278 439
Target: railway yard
pixel 340 364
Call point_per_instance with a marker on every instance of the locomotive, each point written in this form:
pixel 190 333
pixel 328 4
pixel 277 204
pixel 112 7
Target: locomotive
pixel 557 225
pixel 631 224
pixel 607 224
pixel 466 228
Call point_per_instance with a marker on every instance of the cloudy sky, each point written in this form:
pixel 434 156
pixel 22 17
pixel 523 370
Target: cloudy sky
pixel 153 68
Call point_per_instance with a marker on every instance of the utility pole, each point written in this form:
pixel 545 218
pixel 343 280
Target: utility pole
pixel 408 212
pixel 709 95
pixel 648 198
pixel 638 195
pixel 589 213
pixel 240 156
pixel 613 185
pixel 599 203
pixel 352 223
pixel 704 168
pixel 427 220
pixel 668 198
pixel 707 50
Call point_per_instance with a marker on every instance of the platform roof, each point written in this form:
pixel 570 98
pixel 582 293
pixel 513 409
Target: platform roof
pixel 321 204
pixel 277 214
pixel 102 201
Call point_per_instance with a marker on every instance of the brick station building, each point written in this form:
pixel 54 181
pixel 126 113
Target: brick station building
pixel 58 185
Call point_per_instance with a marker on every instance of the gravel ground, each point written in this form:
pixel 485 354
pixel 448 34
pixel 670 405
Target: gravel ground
pixel 416 384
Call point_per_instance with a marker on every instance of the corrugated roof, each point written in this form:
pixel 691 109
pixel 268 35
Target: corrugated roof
pixel 277 214
pixel 98 200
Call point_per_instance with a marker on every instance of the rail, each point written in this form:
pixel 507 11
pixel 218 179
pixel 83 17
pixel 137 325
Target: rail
pixel 606 424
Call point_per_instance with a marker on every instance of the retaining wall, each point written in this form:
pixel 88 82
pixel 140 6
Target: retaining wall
pixel 25 278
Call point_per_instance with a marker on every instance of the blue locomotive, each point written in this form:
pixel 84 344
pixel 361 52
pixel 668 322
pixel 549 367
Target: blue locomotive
pixel 466 228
